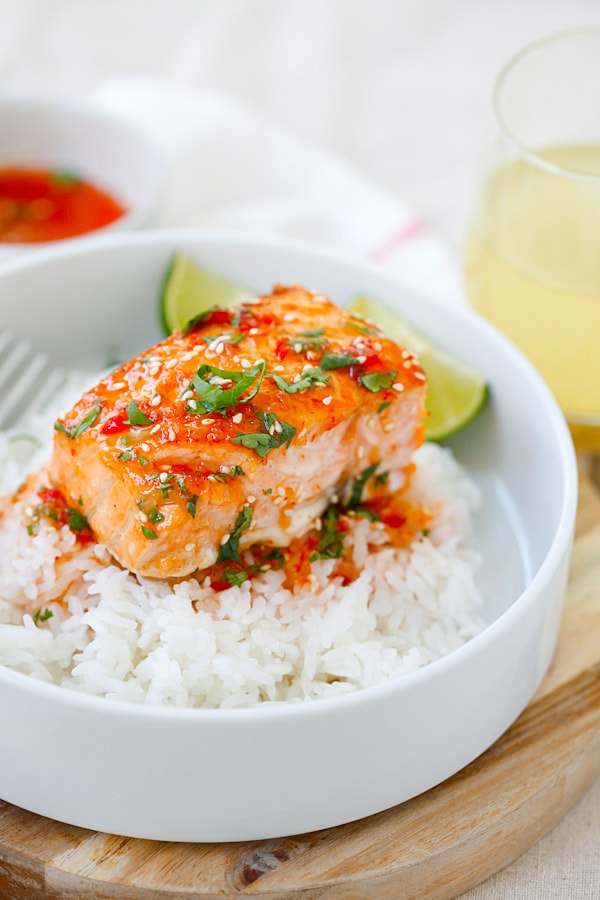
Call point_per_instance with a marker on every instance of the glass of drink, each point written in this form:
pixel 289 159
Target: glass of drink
pixel 533 255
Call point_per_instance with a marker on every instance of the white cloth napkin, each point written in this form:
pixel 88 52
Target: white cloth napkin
pixel 229 167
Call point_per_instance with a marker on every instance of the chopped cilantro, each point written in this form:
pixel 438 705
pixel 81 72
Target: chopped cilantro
pixel 76 520
pixel 39 616
pixel 230 549
pixel 154 515
pixel 359 486
pixel 276 434
pixel 338 361
pixel 82 425
pixel 135 416
pixel 384 405
pixel 191 506
pixel 309 378
pixel 125 456
pixel 331 539
pixel 378 381
pixel 149 533
pixel 235 577
pixel 213 396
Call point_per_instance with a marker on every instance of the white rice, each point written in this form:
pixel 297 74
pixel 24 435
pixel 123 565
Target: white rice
pixel 144 641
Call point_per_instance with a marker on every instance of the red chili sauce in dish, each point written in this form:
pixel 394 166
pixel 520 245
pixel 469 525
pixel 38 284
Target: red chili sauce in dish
pixel 39 205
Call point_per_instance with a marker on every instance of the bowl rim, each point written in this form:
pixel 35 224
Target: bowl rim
pixel 560 544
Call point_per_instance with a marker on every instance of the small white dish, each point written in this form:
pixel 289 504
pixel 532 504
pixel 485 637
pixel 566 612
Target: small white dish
pixel 229 775
pixel 66 135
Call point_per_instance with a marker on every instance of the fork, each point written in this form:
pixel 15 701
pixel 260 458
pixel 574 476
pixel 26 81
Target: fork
pixel 27 380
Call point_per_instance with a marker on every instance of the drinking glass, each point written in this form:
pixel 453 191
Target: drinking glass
pixel 533 254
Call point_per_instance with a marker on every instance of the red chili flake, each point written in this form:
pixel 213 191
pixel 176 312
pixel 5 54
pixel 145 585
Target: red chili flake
pixel 115 425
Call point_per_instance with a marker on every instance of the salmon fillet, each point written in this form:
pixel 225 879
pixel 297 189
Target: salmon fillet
pixel 239 431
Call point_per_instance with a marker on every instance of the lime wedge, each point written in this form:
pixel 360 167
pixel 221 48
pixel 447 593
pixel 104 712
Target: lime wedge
pixel 188 290
pixel 455 392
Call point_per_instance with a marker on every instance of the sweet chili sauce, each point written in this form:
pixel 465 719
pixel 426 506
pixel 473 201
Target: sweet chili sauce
pixel 39 205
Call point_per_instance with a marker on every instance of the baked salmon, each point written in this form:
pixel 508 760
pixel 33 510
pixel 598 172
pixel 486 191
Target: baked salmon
pixel 238 431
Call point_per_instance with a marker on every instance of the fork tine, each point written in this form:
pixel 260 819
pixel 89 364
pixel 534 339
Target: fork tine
pixel 26 379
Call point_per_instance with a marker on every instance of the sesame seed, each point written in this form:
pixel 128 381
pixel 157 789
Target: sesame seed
pixel 236 359
pixel 297 347
pixel 225 538
pixel 143 516
pixel 301 435
pixel 172 434
pixel 279 368
pixel 289 317
pixel 277 426
pixel 310 354
pixel 218 348
pixel 245 363
pixel 186 395
pixel 29 510
pixel 389 426
pixel 408 364
pixel 171 363
pixel 193 404
pixel 281 491
pixel 237 418
pixel 327 400
pixel 253 331
pixel 251 498
pixel 421 376
pixel 155 428
pixel 155 400
pixel 224 470
pixel 117 386
pixel 207 421
pixel 398 386
pixel 163 477
pixel 377 346
pixel 145 447
pixel 154 369
pixel 361 359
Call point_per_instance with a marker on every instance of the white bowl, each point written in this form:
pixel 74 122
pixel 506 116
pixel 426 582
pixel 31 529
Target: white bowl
pixel 67 135
pixel 224 775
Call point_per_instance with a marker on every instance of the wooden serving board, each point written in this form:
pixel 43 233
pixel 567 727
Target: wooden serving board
pixel 435 846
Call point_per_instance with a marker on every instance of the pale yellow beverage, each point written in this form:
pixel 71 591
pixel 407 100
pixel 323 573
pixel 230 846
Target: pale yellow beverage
pixel 533 268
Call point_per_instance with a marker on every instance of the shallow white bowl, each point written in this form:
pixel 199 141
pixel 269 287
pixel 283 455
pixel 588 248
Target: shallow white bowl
pixel 222 775
pixel 73 136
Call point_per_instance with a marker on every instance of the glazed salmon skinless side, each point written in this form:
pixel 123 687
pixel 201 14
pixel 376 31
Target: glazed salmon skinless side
pixel 239 432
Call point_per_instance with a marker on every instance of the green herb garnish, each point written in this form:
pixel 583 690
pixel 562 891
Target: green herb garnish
pixel 235 577
pixel 359 486
pixel 309 378
pixel 135 416
pixel 39 616
pixel 149 533
pixel 82 425
pixel 230 549
pixel 338 361
pixel 378 381
pixel 214 397
pixel 277 433
pixel 76 520
pixel 331 539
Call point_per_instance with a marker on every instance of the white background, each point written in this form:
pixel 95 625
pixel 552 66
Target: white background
pixel 398 88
